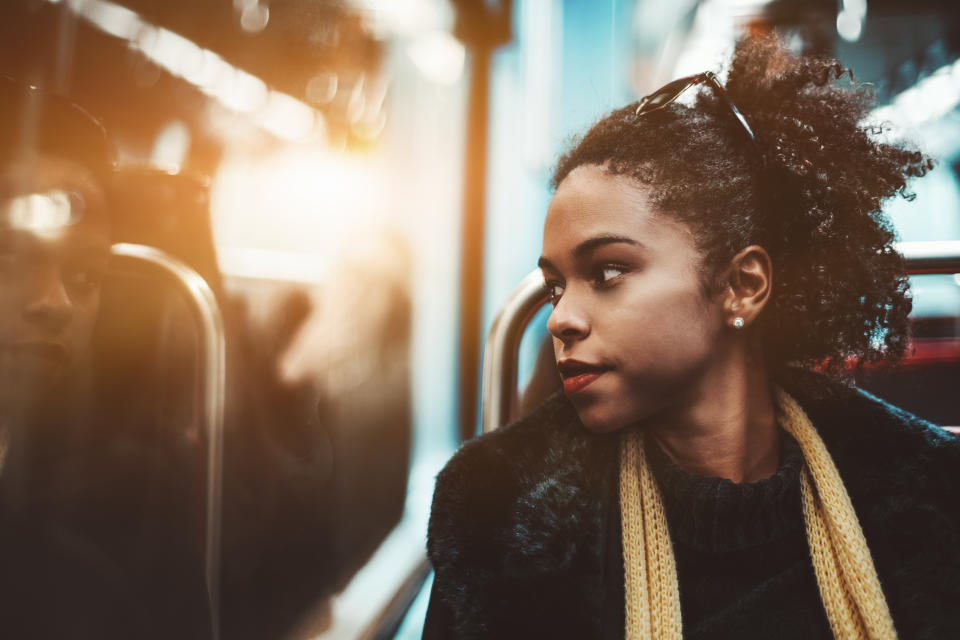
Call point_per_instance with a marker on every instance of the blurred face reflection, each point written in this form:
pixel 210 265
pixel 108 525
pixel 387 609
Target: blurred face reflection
pixel 54 245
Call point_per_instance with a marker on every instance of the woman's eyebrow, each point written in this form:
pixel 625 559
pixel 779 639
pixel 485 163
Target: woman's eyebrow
pixel 595 242
pixel 543 263
pixel 589 245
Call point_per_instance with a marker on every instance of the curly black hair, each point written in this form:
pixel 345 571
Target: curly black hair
pixel 809 191
pixel 58 127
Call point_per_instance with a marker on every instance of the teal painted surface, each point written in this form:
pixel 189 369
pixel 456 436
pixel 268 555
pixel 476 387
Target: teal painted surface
pixel 556 78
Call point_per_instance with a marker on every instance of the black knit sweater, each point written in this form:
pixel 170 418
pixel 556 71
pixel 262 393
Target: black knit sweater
pixel 741 550
pixel 526 542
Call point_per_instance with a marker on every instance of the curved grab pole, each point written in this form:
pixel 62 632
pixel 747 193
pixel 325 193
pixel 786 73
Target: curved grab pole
pixel 204 306
pixel 501 350
pixel 500 353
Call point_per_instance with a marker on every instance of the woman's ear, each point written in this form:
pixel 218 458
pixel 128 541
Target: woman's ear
pixel 749 282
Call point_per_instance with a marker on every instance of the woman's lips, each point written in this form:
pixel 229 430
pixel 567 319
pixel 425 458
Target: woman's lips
pixel 34 363
pixel 578 375
pixel 578 383
pixel 40 349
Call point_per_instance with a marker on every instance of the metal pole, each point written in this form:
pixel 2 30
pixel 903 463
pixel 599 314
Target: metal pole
pixel 931 257
pixel 474 205
pixel 204 306
pixel 500 353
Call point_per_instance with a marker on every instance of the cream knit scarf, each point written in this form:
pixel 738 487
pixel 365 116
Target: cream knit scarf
pixel 849 587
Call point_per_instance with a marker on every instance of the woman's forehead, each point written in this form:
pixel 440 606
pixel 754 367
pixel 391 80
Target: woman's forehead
pixel 590 195
pixel 592 202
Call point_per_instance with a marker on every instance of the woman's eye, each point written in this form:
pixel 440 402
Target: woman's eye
pixel 608 272
pixel 554 291
pixel 85 279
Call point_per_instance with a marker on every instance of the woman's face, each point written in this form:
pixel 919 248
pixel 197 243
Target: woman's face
pixel 633 326
pixel 54 246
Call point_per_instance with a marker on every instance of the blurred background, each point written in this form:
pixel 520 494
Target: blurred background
pixel 362 183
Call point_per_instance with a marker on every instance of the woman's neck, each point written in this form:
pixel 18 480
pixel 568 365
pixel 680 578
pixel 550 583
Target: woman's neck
pixel 727 427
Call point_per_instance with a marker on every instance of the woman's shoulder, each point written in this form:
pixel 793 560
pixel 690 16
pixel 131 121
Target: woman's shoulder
pixel 877 443
pixel 517 513
pixel 518 478
pixel 487 472
pixel 902 474
pixel 915 452
pixel 513 445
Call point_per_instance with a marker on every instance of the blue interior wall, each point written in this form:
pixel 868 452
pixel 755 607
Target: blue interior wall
pixel 567 65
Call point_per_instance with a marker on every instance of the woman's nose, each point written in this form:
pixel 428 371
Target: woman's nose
pixel 48 304
pixel 568 322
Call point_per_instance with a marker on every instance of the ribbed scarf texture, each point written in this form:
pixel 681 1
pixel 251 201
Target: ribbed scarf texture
pixel 848 582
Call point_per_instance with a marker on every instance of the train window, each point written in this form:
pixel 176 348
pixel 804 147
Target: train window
pixel 253 148
pixel 923 382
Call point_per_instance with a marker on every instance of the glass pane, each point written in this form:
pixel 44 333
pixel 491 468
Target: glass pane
pixel 926 381
pixel 253 146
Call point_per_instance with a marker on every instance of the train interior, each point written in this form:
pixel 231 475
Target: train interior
pixel 324 218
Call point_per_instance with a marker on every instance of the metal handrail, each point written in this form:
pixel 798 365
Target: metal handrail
pixel 939 256
pixel 501 352
pixel 206 312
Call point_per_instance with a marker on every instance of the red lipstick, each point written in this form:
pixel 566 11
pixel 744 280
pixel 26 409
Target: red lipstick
pixel 578 375
pixel 577 384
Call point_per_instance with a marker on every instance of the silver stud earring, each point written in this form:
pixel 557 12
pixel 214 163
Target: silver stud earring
pixel 738 323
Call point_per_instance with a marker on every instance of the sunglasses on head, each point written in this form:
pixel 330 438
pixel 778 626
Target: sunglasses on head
pixel 673 90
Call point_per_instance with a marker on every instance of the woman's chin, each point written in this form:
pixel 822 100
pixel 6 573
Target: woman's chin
pixel 599 419
pixel 602 413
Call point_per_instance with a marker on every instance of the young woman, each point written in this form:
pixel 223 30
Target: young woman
pixel 700 476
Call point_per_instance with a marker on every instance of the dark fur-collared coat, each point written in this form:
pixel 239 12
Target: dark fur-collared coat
pixel 525 539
